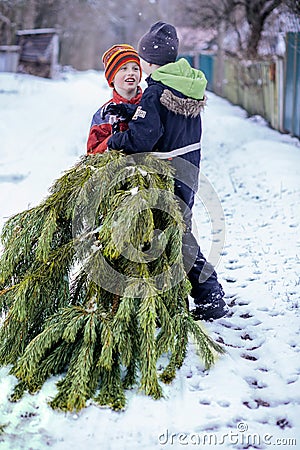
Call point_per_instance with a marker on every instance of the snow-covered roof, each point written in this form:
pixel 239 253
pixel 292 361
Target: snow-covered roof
pixel 36 31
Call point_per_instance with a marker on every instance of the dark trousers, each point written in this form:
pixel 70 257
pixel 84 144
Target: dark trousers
pixel 200 272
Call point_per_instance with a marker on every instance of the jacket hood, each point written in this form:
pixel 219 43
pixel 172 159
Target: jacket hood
pixel 182 77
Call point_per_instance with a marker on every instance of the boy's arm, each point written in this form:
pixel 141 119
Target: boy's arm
pixel 98 137
pixel 102 128
pixel 99 134
pixel 145 128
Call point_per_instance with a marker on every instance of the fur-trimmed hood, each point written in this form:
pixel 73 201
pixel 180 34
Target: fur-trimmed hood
pixel 187 107
pixel 183 78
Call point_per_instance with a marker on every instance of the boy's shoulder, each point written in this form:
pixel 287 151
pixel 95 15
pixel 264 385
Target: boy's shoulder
pixel 97 117
pixel 157 88
pixel 154 87
pixel 152 82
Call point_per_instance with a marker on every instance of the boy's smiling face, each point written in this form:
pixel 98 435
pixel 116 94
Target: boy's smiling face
pixel 127 79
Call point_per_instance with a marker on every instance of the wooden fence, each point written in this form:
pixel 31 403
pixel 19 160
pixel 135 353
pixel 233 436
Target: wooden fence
pixel 257 87
pixel 269 88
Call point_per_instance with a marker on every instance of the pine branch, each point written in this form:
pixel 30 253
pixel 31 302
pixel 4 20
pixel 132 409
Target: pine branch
pixel 115 219
pixel 112 392
pixel 208 349
pixel 148 355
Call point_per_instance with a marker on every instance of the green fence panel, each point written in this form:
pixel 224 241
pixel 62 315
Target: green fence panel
pixel 292 85
pixel 230 86
pixel 289 83
pixel 206 64
pixel 297 92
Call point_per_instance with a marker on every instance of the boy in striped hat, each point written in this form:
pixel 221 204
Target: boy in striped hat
pixel 123 74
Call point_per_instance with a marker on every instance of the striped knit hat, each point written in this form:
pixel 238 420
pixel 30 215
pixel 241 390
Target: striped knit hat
pixel 115 57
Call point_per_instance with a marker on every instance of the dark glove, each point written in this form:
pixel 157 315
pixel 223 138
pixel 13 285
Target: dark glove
pixel 123 110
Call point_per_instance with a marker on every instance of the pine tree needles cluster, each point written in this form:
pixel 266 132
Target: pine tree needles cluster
pixel 92 285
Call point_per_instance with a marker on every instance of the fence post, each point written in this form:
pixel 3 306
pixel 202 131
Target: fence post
pixel 292 85
pixel 220 59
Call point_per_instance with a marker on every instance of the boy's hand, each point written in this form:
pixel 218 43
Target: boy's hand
pixel 106 110
pixel 124 112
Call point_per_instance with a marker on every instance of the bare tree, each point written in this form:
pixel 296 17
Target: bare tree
pixel 246 18
pixel 257 12
pixel 10 19
pixel 29 14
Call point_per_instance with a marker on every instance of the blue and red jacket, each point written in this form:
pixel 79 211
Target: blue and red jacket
pixel 101 129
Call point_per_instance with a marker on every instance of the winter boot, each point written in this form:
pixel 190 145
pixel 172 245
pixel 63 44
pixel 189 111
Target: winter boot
pixel 212 307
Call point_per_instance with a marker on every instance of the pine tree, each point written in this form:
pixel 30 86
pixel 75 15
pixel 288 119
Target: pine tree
pixel 93 287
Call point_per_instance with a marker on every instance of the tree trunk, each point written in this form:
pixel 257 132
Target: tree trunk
pixel 254 38
pixel 29 14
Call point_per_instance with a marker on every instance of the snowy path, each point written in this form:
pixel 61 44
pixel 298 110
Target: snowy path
pixel 251 398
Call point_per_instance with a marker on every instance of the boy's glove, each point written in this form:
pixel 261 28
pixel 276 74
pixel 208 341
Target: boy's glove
pixel 123 110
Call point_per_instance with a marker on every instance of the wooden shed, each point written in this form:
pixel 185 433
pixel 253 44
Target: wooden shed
pixel 39 50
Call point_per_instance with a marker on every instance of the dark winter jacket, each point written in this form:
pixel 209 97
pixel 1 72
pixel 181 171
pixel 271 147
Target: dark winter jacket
pixel 101 129
pixel 167 120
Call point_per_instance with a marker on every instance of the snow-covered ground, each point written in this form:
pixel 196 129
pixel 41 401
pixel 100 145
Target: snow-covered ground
pixel 251 397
